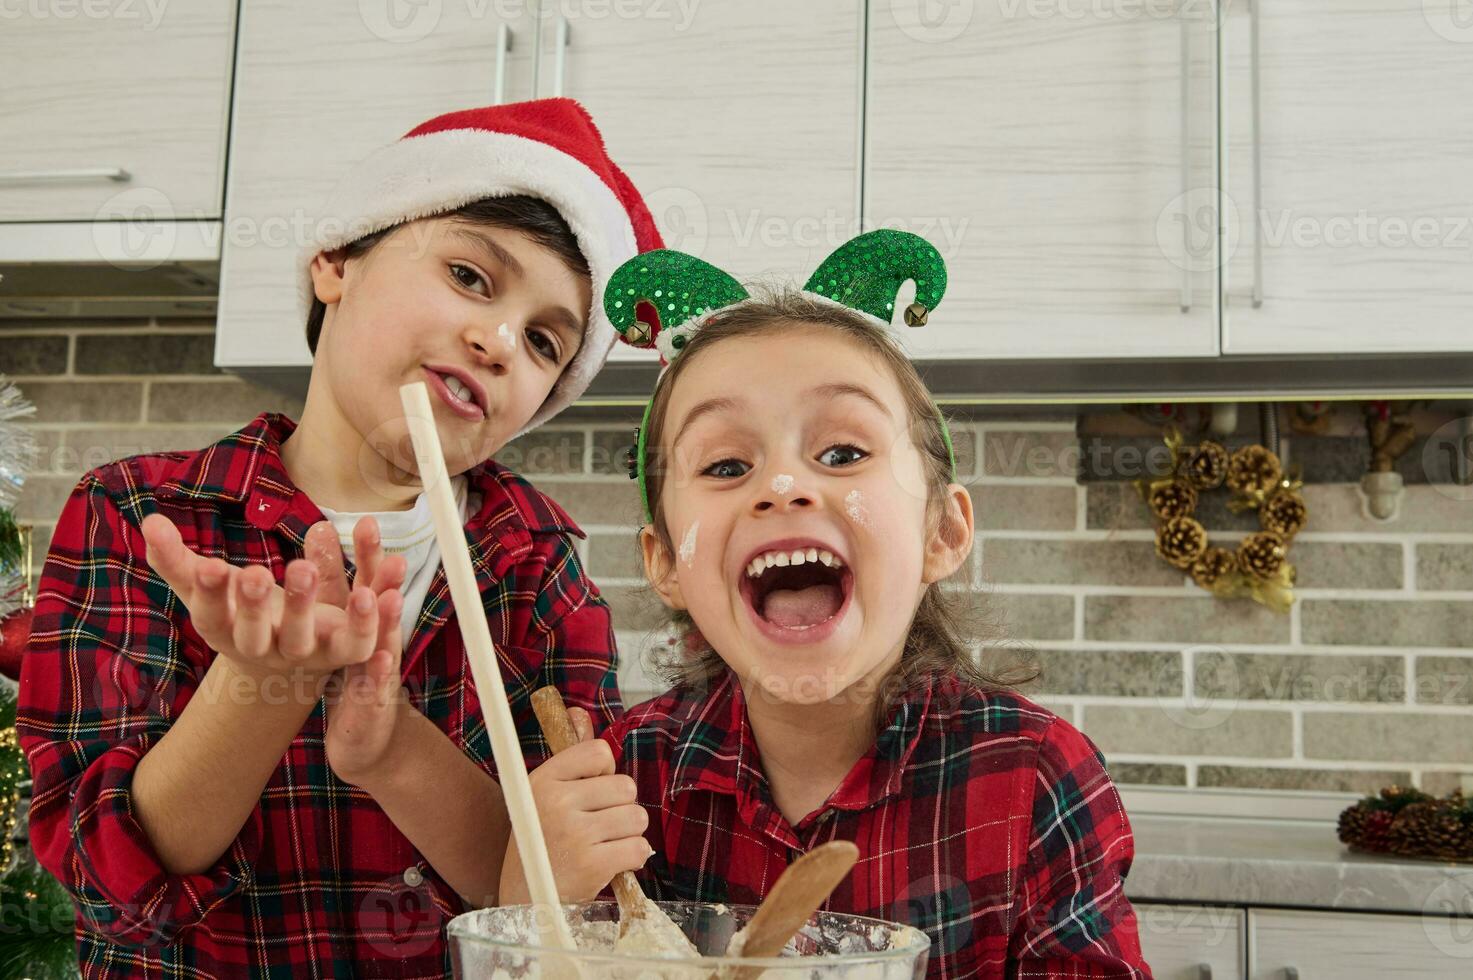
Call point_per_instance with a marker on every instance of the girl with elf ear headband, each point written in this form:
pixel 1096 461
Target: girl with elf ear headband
pixel 802 513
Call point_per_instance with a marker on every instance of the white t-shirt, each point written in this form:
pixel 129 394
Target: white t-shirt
pixel 410 533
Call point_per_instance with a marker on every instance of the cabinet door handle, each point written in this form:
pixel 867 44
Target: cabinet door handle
pixel 1204 971
pixel 1186 164
pixel 503 46
pixel 1256 77
pixel 560 57
pixel 117 174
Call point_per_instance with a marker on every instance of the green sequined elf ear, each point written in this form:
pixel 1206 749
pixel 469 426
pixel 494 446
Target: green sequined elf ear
pixel 676 286
pixel 866 273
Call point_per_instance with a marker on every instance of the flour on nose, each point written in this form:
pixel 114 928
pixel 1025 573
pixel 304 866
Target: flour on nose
pixel 782 484
pixel 688 545
pixel 507 337
pixel 854 507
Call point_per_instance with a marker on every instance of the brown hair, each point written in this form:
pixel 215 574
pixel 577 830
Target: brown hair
pixel 532 216
pixel 938 643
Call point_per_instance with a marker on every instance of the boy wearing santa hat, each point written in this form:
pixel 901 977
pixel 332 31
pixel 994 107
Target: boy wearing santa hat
pixel 254 741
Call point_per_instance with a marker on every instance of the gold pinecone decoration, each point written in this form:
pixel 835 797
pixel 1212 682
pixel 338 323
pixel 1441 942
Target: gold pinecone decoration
pixel 1181 541
pixel 1213 566
pixel 1429 827
pixel 1207 466
pixel 1253 469
pixel 1261 555
pixel 1175 499
pixel 1285 514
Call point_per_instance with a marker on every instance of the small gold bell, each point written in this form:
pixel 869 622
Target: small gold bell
pixel 639 335
pixel 915 315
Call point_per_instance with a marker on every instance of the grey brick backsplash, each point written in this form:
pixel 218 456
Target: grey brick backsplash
pixel 1108 673
pixel 1153 728
pixel 1339 565
pixel 1054 562
pixel 1025 507
pixel 1256 679
pixel 1147 773
pixel 230 401
pixel 1300 677
pixel 1030 454
pixel 1445 567
pixel 1365 781
pixel 1409 738
pixel 146 353
pixel 111 402
pixel 1445 680
pixel 33 355
pixel 1194 619
pixel 543 451
pixel 1370 622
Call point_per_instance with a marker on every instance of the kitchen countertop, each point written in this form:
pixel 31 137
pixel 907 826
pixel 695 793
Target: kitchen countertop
pixel 1241 861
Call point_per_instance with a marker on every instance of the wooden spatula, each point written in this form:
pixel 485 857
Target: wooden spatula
pixel 795 896
pixel 634 906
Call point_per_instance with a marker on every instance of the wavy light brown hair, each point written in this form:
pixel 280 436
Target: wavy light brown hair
pixel 948 619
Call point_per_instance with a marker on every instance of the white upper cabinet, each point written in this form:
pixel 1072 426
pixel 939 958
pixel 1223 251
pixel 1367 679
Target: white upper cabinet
pixel 318 87
pixel 739 122
pixel 1062 157
pixel 1358 168
pixel 113 111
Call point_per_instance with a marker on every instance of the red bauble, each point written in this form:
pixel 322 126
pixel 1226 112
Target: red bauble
pixel 15 633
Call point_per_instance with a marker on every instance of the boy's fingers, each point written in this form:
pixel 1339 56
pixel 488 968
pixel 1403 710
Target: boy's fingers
pixel 324 551
pixel 390 574
pixel 167 554
pixel 298 636
pixel 368 551
pixel 355 643
pixel 210 601
pixel 629 854
pixel 582 724
pixel 621 822
pixel 582 761
pixel 252 595
pixel 390 630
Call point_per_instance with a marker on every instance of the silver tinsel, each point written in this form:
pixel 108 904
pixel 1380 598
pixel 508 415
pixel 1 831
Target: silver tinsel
pixel 17 457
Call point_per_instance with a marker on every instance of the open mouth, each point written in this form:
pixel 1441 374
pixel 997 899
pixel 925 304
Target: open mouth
pixel 797 592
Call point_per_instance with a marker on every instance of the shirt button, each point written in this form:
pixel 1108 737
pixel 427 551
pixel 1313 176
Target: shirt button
pixel 413 877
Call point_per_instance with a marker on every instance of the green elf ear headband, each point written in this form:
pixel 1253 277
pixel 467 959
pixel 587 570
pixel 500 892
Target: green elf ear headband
pixel 680 292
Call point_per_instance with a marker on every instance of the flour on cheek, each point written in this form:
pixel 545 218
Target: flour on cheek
pixel 688 545
pixel 507 337
pixel 854 507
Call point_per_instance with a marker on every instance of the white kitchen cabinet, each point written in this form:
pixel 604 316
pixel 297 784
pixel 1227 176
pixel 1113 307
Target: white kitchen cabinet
pixel 115 111
pixel 1293 945
pixel 318 87
pixel 1062 157
pixel 740 126
pixel 1192 942
pixel 1358 175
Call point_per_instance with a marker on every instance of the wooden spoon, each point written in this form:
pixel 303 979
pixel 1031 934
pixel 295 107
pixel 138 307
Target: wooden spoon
pixel 795 896
pixel 636 911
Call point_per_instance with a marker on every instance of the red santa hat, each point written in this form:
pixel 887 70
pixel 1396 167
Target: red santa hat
pixel 548 149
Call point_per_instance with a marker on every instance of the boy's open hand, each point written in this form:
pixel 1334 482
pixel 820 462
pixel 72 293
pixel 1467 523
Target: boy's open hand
pixel 591 820
pixel 314 625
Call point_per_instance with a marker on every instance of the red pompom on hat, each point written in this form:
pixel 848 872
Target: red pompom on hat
pixel 548 149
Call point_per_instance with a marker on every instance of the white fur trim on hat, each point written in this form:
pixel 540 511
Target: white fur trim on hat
pixel 420 176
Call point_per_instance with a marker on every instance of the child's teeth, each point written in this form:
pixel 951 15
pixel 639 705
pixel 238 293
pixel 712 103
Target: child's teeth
pixel 783 559
pixel 798 557
pixel 812 554
pixel 780 559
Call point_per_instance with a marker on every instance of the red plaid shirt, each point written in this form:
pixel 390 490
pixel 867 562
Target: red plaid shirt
pixel 982 819
pixel 319 882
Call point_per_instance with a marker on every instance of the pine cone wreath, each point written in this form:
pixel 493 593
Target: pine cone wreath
pixel 1365 828
pixel 1213 566
pixel 1262 555
pixel 1175 499
pixel 1181 541
pixel 1285 514
pixel 1425 828
pixel 1207 466
pixel 1253 469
